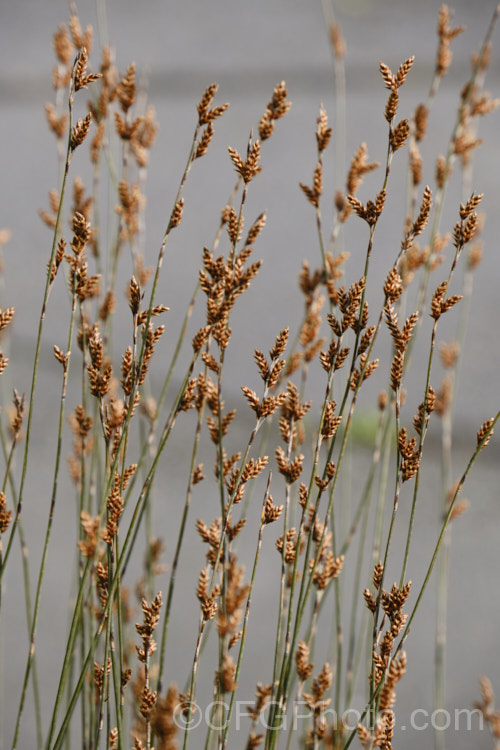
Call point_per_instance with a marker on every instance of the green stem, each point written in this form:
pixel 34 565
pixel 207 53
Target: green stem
pixel 246 617
pixel 48 286
pixel 443 531
pixel 49 526
pixel 180 538
pixel 119 571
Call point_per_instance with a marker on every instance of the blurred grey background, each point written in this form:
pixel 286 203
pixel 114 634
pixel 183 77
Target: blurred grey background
pixel 249 47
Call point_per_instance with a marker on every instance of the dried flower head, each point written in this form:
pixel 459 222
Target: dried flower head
pixel 445 35
pixel 79 132
pixel 276 108
pixel 81 79
pixel 250 167
pixel 485 433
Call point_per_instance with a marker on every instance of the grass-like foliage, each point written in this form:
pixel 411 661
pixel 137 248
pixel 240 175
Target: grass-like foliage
pixel 273 472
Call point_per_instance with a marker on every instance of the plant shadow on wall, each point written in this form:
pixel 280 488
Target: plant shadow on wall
pixel 269 473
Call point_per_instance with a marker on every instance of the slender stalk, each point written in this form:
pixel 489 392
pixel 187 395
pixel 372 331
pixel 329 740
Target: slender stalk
pixel 283 577
pixel 49 525
pixel 246 616
pixel 34 376
pixel 442 533
pixel 194 674
pixel 350 674
pixel 119 571
pixel 180 538
pixel 26 574
pixel 424 423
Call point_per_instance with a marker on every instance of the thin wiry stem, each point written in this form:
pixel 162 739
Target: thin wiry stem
pixel 442 533
pixel 246 617
pixel 48 286
pixel 178 547
pixel 120 566
pixel 430 567
pixel 26 575
pixel 140 503
pixel 49 524
pixel 423 426
pixel 283 581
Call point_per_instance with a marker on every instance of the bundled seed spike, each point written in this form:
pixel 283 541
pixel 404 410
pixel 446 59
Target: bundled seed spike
pixel 62 357
pixel 234 226
pixel 151 616
pixel 250 167
pixel 225 676
pixel 304 668
pixel 6 317
pixel 378 572
pixel 392 106
pixel 99 675
pixel 437 300
pixel 80 131
pixel 389 80
pixel 420 117
pixel 331 422
pixel 393 286
pixel 79 39
pixel 415 164
pixel 280 344
pixel 450 302
pixel 256 229
pixel 403 71
pixel 445 35
pixel 213 114
pixel 82 80
pixel 291 470
pixel 486 431
pixel 423 217
pixel 176 217
pixel 126 89
pixel 397 370
pixel 449 353
pixel 63 45
pixel 80 68
pixel 271 512
pixel 323 132
pixel 204 141
pixel 471 205
pixel 337 40
pixel 207 98
pixel 206 116
pixel 276 108
pixel 365 736
pixel 56 124
pixel 399 134
pixel 318 179
pixel 147 703
pixel 393 83
pixel 484 105
pixel 5 515
pixel 134 296
pixel 16 415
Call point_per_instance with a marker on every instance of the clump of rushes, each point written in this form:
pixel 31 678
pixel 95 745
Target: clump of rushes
pixel 125 405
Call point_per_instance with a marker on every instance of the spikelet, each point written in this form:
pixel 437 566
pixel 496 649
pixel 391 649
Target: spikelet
pixel 80 78
pixel 250 167
pixel 206 115
pixel 275 110
pixel 485 432
pixel 79 132
pixel 399 134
